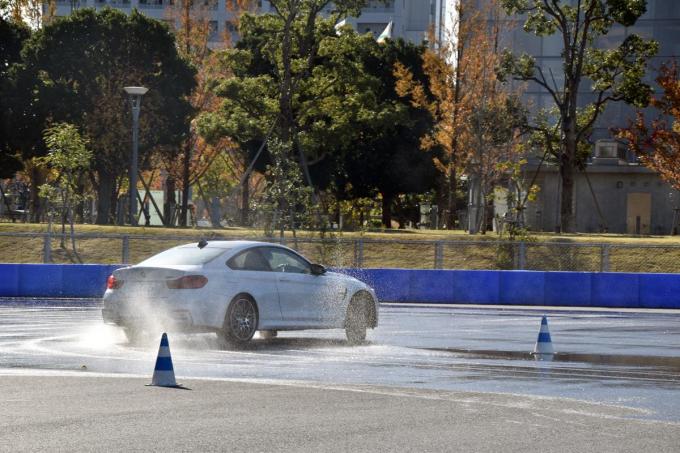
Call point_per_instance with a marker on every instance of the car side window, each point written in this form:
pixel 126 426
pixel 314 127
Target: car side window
pixel 250 260
pixel 281 260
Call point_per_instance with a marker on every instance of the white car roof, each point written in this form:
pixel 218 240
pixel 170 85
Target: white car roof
pixel 230 244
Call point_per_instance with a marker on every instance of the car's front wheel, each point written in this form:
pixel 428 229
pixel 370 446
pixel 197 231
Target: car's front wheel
pixel 240 322
pixel 357 319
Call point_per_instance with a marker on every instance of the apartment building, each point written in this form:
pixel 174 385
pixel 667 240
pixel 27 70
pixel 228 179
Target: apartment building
pixel 411 19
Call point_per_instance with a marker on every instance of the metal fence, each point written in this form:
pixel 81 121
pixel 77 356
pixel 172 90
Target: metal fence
pixel 363 252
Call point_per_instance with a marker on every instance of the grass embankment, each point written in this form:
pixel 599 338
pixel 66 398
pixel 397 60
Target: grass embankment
pixel 406 248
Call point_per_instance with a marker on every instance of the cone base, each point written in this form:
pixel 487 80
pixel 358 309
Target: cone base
pixel 175 386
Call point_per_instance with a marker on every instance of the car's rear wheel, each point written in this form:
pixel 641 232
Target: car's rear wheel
pixel 134 334
pixel 240 322
pixel 357 319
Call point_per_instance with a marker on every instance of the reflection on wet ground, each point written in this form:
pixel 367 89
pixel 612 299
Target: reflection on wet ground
pixel 670 363
pixel 630 359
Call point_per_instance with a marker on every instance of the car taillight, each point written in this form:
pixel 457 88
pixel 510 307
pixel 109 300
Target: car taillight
pixel 187 282
pixel 113 283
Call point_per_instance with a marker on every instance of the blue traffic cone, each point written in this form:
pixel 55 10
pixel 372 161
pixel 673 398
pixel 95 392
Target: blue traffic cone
pixel 544 345
pixel 164 373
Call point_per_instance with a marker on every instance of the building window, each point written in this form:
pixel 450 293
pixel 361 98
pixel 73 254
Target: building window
pixel 374 28
pixel 379 6
pixel 153 4
pixel 212 29
pixel 207 4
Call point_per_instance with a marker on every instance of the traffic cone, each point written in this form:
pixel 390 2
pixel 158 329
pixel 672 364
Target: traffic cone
pixel 544 345
pixel 163 373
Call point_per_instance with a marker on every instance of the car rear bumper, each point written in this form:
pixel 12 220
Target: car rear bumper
pixel 177 319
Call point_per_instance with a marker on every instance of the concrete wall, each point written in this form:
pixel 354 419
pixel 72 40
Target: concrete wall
pixel 579 289
pixel 611 185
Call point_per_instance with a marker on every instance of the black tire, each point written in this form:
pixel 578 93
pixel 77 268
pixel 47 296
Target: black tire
pixel 240 322
pixel 357 320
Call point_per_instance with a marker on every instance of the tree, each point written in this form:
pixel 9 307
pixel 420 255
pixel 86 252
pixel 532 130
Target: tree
pixel 275 83
pixel 193 34
pixel 287 202
pixel 12 37
pixel 476 121
pixel 26 12
pixel 616 74
pixel 67 159
pixel 297 24
pixel 77 67
pixel 382 153
pixel 657 144
pixel 344 111
pixel 244 107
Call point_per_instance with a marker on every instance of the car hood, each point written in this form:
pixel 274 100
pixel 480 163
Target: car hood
pixel 345 277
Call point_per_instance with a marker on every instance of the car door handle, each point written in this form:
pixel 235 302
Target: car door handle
pixel 285 279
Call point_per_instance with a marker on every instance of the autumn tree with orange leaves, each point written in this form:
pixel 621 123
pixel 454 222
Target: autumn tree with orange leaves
pixel 657 144
pixel 477 122
pixel 196 43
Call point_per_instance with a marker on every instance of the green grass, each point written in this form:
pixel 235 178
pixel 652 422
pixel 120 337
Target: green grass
pixel 399 248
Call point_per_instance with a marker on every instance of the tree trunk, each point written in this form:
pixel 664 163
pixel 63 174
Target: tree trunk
pixel 286 89
pixel 64 219
pixel 170 202
pixel 245 200
pixel 567 173
pixel 36 207
pixel 186 168
pixel 104 197
pixel 215 213
pixel 387 210
pixel 567 217
pixel 450 199
pixel 79 211
pixel 73 235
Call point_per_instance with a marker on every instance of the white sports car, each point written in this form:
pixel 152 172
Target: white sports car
pixel 235 288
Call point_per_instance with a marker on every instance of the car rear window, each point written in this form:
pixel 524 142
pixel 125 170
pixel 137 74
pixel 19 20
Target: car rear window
pixel 184 256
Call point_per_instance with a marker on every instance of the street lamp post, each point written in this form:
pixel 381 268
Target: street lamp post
pixel 135 94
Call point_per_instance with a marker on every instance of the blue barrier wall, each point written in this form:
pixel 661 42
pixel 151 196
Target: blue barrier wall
pixel 572 289
pixel 580 289
pixel 54 280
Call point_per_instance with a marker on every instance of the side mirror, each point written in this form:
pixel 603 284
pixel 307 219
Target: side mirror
pixel 318 269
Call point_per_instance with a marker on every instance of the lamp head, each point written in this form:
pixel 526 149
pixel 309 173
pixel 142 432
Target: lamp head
pixel 136 91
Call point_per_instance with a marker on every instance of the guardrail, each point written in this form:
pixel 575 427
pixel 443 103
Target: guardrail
pixel 364 252
pixel 576 289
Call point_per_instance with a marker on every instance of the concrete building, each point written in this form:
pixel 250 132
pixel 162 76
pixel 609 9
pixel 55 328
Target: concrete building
pixel 411 19
pixel 612 195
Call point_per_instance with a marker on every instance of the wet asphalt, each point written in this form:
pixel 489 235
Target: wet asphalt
pixel 628 359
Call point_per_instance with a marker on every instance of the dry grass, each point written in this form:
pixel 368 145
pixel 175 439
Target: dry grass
pixel 405 249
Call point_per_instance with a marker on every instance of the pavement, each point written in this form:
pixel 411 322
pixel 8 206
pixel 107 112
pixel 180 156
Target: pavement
pixel 428 379
pixel 83 412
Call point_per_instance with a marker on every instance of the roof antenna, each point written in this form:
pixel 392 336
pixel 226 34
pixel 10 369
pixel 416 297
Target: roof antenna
pixel 202 243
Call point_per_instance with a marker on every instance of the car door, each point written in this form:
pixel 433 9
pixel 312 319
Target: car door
pixel 303 297
pixel 252 274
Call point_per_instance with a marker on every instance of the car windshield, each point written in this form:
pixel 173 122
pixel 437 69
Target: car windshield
pixel 184 256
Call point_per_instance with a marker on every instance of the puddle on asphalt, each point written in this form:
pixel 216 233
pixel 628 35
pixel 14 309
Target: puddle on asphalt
pixel 670 363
